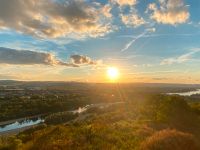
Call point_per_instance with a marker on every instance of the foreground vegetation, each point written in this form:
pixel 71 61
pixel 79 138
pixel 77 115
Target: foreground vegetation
pixel 149 123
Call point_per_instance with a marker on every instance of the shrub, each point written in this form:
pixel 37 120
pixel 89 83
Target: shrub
pixel 170 140
pixel 60 117
pixel 10 143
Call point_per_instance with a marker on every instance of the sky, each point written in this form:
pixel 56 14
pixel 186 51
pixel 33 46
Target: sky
pixel 155 41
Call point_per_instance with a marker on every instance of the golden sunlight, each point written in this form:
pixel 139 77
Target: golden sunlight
pixel 113 73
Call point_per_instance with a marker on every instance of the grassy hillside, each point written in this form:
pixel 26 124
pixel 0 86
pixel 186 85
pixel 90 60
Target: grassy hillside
pixel 150 123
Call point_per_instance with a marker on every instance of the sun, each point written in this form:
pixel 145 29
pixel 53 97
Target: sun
pixel 113 73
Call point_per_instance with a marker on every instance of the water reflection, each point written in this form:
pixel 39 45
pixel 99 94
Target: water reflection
pixel 186 93
pixel 31 122
pixel 81 109
pixel 18 125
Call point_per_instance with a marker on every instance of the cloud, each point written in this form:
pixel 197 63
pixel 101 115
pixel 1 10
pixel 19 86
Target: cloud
pixel 125 2
pixel 155 72
pixel 148 30
pixel 132 20
pixel 160 78
pixel 7 76
pixel 170 12
pixel 106 10
pixel 181 59
pixel 151 30
pixel 26 57
pixel 130 17
pixel 80 59
pixel 52 19
pixel 132 41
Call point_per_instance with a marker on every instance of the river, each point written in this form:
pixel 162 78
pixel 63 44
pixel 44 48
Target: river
pixel 18 125
pixel 27 123
pixel 190 93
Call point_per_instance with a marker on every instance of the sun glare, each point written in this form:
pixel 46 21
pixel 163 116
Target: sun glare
pixel 113 73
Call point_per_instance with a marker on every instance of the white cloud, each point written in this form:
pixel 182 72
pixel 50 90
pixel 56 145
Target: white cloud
pixel 125 2
pixel 50 18
pixel 151 30
pixel 170 12
pixel 132 20
pixel 132 41
pixel 180 59
pixel 106 10
pixel 128 45
pixel 131 17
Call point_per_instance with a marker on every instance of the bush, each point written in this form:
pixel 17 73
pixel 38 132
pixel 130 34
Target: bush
pixel 60 117
pixel 10 143
pixel 170 140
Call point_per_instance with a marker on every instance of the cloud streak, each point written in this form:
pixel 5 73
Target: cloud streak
pixel 129 44
pixel 180 59
pixel 132 41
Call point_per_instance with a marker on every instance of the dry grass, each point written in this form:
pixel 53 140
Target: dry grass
pixel 170 140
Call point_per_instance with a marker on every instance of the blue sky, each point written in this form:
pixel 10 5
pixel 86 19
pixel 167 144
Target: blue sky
pixel 147 40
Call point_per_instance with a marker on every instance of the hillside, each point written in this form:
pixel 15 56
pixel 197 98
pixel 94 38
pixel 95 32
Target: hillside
pixel 152 123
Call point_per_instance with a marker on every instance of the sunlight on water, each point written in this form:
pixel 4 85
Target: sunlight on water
pixel 18 125
pixel 81 109
pixel 26 123
pixel 186 93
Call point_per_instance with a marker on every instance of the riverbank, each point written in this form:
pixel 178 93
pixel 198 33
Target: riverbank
pixel 18 125
pixel 2 123
pixel 16 131
pixel 189 93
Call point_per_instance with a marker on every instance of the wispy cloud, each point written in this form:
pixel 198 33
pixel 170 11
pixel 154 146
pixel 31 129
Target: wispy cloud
pixel 180 59
pixel 153 72
pixel 126 47
pixel 133 41
pixel 8 76
pixel 160 78
pixel 160 35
